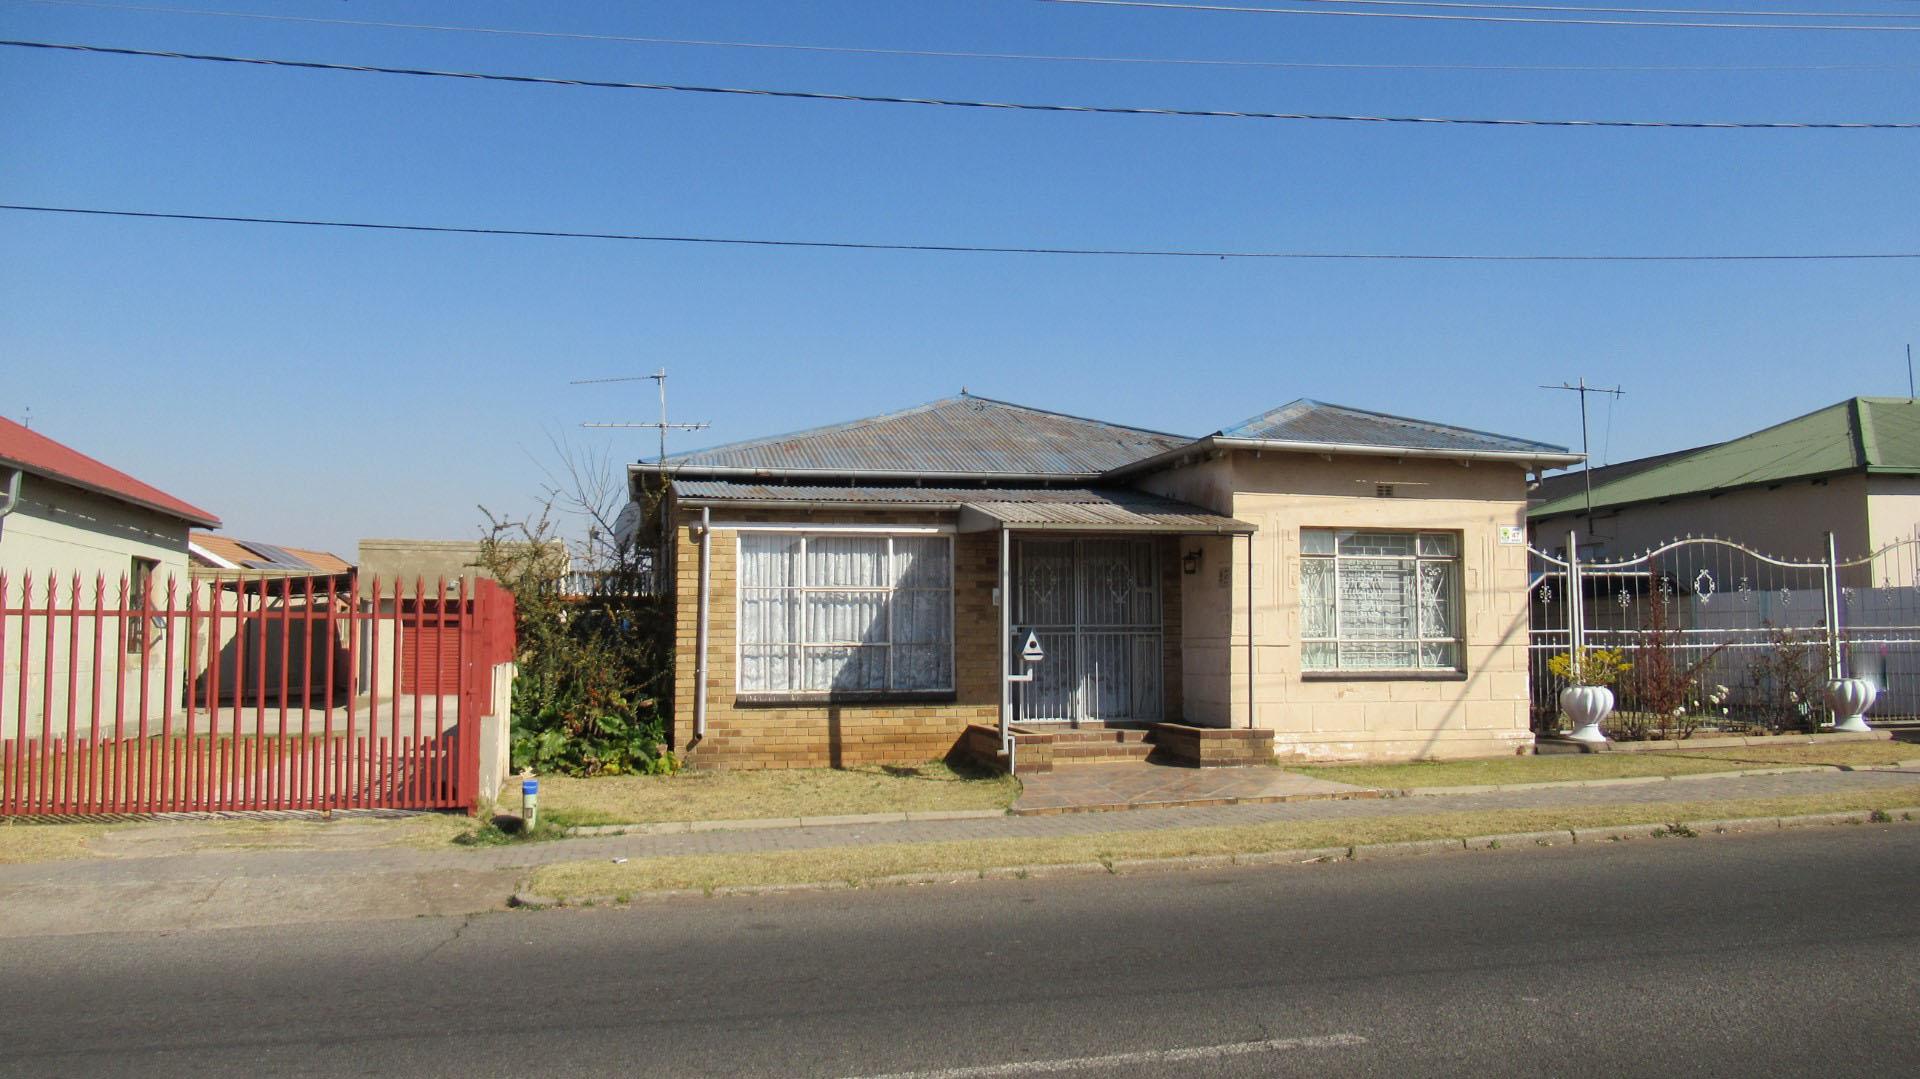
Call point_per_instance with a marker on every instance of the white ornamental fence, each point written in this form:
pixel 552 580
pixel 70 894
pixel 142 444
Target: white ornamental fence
pixel 1736 640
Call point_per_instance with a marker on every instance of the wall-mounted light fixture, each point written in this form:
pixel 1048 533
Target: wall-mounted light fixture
pixel 1190 562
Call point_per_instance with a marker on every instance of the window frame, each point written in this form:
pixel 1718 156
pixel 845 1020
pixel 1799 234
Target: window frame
pixel 803 533
pixel 1456 567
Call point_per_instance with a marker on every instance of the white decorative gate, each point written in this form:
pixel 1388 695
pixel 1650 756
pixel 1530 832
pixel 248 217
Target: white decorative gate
pixel 1095 605
pixel 1726 637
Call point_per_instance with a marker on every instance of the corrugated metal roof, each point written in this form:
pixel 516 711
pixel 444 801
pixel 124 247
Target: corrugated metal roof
pixel 1116 516
pixel 1871 434
pixel 965 434
pixel 252 554
pixel 1317 421
pixel 31 451
pixel 1083 508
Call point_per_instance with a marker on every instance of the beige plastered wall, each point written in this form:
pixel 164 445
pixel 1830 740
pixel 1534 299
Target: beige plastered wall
pixel 1787 520
pixel 66 531
pixel 1483 713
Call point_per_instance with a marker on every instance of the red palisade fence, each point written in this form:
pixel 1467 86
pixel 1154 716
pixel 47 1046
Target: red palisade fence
pixel 243 692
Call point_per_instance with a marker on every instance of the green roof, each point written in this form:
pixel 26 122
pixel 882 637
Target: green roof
pixel 1860 434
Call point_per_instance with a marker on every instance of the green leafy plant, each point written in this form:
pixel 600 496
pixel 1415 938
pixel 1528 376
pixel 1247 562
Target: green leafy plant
pixel 591 667
pixel 1591 667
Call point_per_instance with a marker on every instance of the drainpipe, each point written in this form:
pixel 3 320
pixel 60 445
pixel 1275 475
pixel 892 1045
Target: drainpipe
pixel 700 632
pixel 13 494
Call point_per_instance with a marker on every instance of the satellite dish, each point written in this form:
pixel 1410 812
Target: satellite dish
pixel 1031 652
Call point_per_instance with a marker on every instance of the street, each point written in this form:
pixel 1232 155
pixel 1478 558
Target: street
pixel 1770 954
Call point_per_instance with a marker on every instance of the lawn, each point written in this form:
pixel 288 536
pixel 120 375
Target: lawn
pixel 800 792
pixel 1552 768
pixel 865 864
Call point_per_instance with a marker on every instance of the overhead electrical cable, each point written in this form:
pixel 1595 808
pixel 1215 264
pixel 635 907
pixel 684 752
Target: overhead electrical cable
pixel 987 249
pixel 1669 24
pixel 953 54
pixel 1104 110
pixel 1577 9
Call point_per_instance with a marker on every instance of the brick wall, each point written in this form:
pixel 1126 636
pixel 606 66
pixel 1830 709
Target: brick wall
pixel 827 734
pixel 830 734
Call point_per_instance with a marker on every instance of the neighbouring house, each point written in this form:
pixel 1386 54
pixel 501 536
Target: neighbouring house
pixel 1842 481
pixel 67 517
pixel 1851 469
pixel 1321 581
pixel 277 648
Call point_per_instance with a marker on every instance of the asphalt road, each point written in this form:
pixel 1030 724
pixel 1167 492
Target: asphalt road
pixel 1778 954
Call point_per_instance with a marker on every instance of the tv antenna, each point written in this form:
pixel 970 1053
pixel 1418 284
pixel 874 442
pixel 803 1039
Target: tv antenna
pixel 663 426
pixel 1586 466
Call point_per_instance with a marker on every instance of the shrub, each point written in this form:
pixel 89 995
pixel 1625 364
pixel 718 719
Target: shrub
pixel 1786 679
pixel 1591 667
pixel 591 672
pixel 1664 692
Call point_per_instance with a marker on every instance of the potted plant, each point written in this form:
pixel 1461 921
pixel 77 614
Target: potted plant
pixel 1849 698
pixel 1588 698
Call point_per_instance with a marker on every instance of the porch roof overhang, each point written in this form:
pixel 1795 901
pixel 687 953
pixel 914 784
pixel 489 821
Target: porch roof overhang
pixel 980 509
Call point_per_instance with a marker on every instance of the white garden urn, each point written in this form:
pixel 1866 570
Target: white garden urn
pixel 1849 698
pixel 1587 707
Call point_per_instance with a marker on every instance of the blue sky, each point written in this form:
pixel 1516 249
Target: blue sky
pixel 313 387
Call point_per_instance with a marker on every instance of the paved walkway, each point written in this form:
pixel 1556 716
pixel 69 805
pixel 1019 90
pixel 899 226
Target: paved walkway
pixel 213 890
pixel 1138 785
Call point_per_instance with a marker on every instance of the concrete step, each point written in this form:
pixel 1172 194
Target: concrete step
pixel 1071 753
pixel 1099 736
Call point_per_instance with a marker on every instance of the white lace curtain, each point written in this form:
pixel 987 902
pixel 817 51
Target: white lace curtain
pixel 850 613
pixel 1379 600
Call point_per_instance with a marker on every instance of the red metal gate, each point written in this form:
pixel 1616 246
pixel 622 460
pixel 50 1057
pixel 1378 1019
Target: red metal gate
pixel 243 692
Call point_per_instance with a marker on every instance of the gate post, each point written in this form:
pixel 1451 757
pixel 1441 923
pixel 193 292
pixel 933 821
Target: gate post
pixel 1830 584
pixel 1576 601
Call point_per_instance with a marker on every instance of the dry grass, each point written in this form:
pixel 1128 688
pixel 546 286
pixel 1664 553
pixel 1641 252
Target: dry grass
pixel 1554 768
pixel 858 865
pixel 809 792
pixel 23 842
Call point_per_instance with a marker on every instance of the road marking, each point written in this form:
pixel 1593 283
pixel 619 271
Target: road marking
pixel 1118 1060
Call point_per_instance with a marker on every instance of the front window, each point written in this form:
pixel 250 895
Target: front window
pixel 1379 601
pixel 845 613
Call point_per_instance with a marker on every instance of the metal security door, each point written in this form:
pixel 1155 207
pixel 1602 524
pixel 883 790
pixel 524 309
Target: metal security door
pixel 1095 605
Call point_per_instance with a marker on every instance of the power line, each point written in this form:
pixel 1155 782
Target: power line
pixel 965 55
pixel 1432 17
pixel 1104 110
pixel 849 245
pixel 1490 5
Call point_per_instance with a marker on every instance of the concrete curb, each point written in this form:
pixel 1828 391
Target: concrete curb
pixel 1370 852
pixel 1632 781
pixel 750 824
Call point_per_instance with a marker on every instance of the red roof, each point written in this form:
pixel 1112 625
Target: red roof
pixel 31 451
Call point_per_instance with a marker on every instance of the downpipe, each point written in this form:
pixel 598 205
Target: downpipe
pixel 13 494
pixel 700 630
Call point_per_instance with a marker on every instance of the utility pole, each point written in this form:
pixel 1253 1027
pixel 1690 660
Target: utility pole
pixel 1586 468
pixel 663 427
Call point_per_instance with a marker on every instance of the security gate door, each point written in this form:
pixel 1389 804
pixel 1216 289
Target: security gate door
pixel 1095 605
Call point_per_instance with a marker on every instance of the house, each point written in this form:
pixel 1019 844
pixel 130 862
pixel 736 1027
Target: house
pixel 1852 469
pixel 279 596
pixel 67 517
pixel 65 512
pixel 1320 581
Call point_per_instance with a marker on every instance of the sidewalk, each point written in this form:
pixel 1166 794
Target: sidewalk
pixel 227 889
